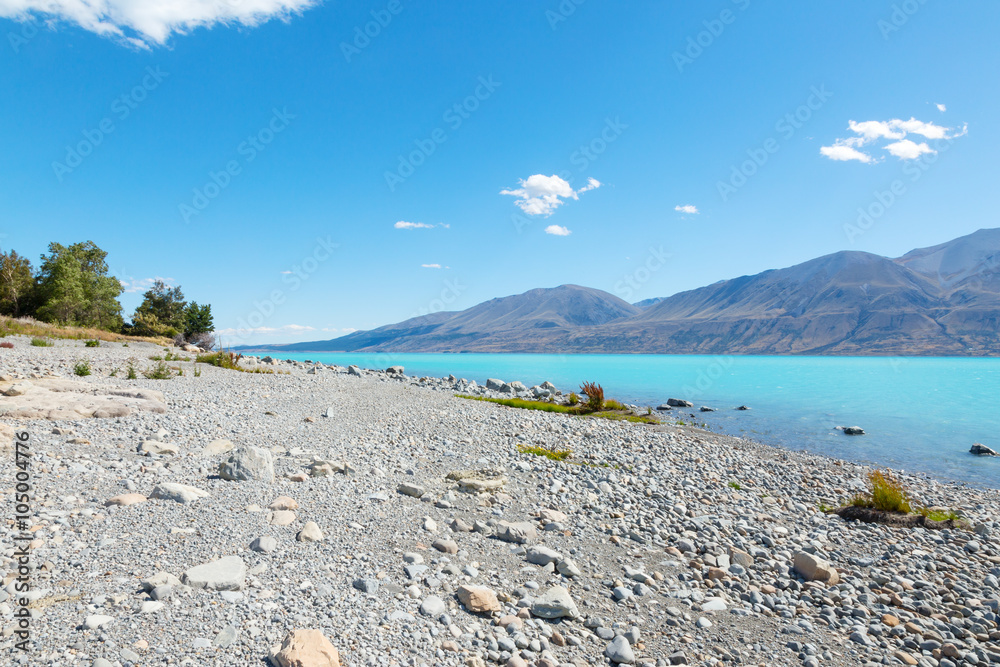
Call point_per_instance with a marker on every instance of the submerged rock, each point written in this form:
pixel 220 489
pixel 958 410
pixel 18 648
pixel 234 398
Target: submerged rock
pixel 982 450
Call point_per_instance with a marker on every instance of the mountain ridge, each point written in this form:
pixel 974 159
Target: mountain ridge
pixel 941 300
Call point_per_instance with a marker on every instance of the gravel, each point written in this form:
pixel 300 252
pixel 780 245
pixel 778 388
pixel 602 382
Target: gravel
pixel 650 545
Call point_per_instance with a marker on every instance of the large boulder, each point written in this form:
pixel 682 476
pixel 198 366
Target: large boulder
pixel 494 385
pixel 248 464
pixel 982 450
pixel 305 648
pixel 679 403
pixel 518 533
pixel 813 568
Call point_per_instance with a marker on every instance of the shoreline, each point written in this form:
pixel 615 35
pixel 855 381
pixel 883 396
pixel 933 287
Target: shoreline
pixel 653 545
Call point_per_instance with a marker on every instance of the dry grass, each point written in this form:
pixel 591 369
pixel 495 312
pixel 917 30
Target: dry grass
pixel 27 326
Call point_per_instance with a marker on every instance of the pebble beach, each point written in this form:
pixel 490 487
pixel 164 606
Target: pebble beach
pixel 216 517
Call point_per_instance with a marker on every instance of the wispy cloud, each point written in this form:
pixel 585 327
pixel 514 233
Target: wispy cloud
pixel 690 209
pixel 542 195
pixel 140 23
pixel 434 266
pixel 403 224
pixel 942 108
pixel 557 230
pixel 895 131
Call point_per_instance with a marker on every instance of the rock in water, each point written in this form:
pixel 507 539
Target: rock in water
pixel 679 403
pixel 225 574
pixel 248 464
pixel 852 430
pixel 478 599
pixel 305 648
pixel 982 450
pixel 555 603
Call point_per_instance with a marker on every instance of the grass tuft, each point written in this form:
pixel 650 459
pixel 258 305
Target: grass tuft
pixel 229 360
pixel 92 343
pixel 82 369
pixel 551 454
pixel 41 342
pixel 158 372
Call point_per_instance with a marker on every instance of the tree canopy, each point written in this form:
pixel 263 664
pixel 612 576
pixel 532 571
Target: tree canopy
pixel 73 287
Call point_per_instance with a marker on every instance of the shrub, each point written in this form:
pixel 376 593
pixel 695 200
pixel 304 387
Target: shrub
pixel 595 395
pixel 551 454
pixel 130 371
pixel 82 369
pixel 885 493
pixel 7 345
pixel 158 372
pixel 229 360
pixel 92 343
pixel 41 342
pixel 612 404
pixel 574 399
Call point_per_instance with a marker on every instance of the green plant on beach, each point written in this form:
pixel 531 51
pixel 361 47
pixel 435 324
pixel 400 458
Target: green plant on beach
pixel 551 454
pixel 229 360
pixel 885 493
pixel 735 485
pixel 130 371
pixel 595 396
pixel 82 369
pixel 939 515
pixel 113 373
pixel 92 343
pixel 41 342
pixel 573 399
pixel 158 372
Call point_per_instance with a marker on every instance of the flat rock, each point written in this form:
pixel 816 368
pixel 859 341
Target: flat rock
pixel 180 493
pixel 518 533
pixel 216 447
pixel 225 574
pixel 283 503
pixel 59 398
pixel 814 568
pixel 125 499
pixel 619 651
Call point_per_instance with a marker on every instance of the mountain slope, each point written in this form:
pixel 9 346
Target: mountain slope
pixel 943 300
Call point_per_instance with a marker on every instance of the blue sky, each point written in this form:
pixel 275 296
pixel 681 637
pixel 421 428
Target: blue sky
pixel 261 153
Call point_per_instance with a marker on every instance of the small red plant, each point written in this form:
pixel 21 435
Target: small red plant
pixel 7 345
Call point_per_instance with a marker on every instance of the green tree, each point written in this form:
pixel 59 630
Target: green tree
pixel 198 320
pixel 17 282
pixel 74 287
pixel 164 303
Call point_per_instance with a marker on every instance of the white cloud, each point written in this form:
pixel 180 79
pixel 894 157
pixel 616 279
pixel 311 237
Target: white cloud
pixel 843 152
pixel 336 330
pixel 402 224
pixel 896 130
pixel 557 230
pixel 131 285
pixel 542 195
pixel 909 150
pixel 143 22
pixel 690 209
pixel 942 108
pixel 433 266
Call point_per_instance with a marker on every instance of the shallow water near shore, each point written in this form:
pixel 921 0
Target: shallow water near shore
pixel 921 415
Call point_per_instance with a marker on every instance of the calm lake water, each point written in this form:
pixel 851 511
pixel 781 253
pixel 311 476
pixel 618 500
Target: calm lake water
pixel 921 414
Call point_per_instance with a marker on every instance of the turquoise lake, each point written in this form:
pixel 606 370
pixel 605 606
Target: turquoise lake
pixel 921 414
